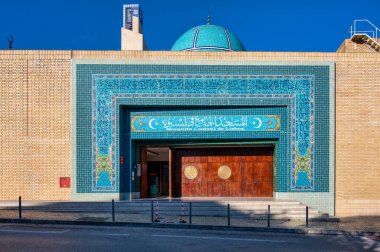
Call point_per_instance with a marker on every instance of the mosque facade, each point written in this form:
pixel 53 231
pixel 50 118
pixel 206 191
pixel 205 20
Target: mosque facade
pixel 205 119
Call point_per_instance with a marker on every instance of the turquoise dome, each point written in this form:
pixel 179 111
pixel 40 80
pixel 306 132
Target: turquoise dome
pixel 208 38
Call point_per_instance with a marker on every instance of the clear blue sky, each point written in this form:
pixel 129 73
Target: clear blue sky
pixel 265 25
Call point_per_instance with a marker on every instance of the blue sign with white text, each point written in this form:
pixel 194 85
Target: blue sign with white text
pixel 205 123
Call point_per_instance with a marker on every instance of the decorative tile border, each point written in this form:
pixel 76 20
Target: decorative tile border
pixel 107 88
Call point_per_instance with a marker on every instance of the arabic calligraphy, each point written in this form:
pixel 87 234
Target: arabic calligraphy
pixel 205 123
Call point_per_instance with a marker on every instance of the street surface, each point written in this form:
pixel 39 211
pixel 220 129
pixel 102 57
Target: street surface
pixel 28 237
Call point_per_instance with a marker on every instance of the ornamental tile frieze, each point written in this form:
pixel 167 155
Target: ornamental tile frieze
pixel 107 88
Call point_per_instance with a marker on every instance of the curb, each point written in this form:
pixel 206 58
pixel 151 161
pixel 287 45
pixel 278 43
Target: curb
pixel 199 227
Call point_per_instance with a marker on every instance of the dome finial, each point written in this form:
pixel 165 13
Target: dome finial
pixel 208 19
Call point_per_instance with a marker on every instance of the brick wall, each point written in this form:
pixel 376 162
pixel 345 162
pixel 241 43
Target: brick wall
pixel 35 120
pixel 358 135
pixel 35 124
pixel 350 47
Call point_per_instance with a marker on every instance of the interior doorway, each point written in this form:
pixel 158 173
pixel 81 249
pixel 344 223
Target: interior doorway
pixel 155 172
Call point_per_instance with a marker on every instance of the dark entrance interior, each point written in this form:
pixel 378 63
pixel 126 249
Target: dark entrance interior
pixel 155 172
pixel 207 172
pixel 158 179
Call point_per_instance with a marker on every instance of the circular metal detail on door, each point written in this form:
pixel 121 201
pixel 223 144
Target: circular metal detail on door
pixel 224 172
pixel 191 172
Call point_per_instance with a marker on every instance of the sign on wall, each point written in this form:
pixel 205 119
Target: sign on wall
pixel 205 123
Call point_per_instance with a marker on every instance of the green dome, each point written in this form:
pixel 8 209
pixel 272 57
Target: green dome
pixel 208 38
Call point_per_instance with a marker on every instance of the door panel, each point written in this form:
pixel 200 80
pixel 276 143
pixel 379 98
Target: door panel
pixel 251 172
pixel 218 187
pixel 263 179
pixel 191 187
pixel 234 182
pixel 247 180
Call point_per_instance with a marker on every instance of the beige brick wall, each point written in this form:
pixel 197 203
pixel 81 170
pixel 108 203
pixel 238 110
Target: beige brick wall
pixel 350 47
pixel 358 136
pixel 35 105
pixel 35 124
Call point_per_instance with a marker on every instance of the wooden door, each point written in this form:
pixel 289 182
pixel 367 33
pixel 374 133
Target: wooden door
pixel 194 186
pixel 263 176
pixel 223 187
pixel 251 172
pixel 247 176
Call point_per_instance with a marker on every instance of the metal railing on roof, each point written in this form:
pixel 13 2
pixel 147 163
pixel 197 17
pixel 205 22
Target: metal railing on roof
pixel 373 32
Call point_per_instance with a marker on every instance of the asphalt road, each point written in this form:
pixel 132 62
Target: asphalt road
pixel 27 237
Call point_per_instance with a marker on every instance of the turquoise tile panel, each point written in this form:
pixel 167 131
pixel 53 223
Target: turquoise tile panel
pixel 304 88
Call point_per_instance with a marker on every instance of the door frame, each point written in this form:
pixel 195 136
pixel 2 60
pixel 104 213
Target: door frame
pixel 175 144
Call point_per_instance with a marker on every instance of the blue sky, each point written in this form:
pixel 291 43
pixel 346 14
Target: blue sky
pixel 273 25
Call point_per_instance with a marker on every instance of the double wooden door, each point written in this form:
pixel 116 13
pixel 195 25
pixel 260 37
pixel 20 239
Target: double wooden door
pixel 223 172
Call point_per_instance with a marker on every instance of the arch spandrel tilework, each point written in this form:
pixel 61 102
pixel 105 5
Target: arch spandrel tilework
pixel 108 88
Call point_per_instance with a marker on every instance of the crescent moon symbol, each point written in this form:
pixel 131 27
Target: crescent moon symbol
pixel 260 123
pixel 150 123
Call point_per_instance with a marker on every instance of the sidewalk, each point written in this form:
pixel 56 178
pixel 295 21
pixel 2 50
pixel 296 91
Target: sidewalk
pixel 35 213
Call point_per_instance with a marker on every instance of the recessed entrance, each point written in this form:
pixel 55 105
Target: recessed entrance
pixel 155 172
pixel 207 172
